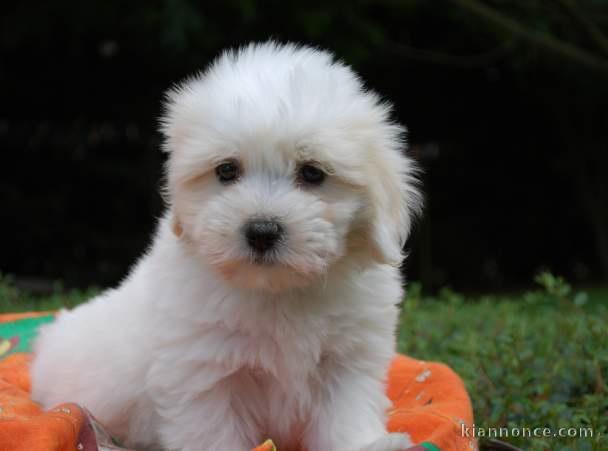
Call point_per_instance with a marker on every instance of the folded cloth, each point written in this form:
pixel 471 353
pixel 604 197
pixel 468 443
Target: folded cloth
pixel 430 403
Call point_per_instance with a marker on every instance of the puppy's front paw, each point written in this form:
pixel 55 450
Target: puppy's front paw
pixel 390 442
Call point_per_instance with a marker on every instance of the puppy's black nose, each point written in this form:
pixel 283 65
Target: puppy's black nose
pixel 262 235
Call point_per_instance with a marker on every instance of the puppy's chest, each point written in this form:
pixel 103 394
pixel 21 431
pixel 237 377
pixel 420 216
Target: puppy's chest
pixel 287 353
pixel 288 343
pixel 287 346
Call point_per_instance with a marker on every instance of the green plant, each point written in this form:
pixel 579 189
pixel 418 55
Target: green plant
pixel 535 360
pixel 13 299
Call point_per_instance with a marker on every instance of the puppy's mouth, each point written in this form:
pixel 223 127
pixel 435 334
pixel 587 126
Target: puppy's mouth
pixel 266 259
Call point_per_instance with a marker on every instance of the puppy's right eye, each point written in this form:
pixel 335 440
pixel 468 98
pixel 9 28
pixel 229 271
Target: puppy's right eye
pixel 228 171
pixel 311 175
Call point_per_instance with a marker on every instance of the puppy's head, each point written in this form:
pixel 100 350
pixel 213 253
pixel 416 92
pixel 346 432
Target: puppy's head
pixel 281 164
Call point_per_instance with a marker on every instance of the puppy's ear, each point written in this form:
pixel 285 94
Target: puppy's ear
pixel 394 200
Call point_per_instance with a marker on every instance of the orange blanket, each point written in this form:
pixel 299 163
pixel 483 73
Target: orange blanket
pixel 430 403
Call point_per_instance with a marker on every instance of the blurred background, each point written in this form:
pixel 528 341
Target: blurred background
pixel 506 102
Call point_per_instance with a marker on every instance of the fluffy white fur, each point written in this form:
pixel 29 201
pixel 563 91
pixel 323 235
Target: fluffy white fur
pixel 203 347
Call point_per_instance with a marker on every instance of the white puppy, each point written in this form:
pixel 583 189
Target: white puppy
pixel 266 306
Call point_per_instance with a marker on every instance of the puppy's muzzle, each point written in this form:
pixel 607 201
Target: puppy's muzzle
pixel 263 235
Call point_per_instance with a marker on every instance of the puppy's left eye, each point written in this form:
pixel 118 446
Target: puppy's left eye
pixel 309 174
pixel 228 171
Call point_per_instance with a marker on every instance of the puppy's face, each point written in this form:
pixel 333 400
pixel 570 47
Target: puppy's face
pixel 279 170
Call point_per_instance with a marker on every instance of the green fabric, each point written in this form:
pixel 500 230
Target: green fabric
pixel 18 336
pixel 429 446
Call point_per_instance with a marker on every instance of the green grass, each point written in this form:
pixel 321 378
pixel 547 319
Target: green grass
pixel 598 295
pixel 14 300
pixel 537 359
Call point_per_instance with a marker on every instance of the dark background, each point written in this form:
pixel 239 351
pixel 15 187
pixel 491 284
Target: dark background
pixel 506 103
